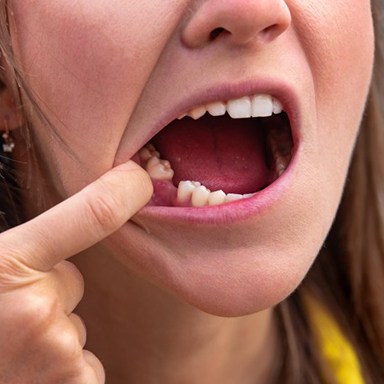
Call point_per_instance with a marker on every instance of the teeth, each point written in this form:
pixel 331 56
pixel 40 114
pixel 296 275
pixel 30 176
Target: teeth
pixel 262 106
pixel 217 109
pixel 184 192
pixel 216 198
pixel 233 197
pixel 197 113
pixel 145 154
pixel 199 196
pixel 150 147
pixel 161 172
pixel 242 108
pixel 192 193
pixel 277 106
pixel 159 169
pixel 153 161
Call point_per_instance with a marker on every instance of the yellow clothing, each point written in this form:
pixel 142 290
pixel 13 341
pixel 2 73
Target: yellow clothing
pixel 336 349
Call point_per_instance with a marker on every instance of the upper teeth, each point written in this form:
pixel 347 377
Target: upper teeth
pixel 244 107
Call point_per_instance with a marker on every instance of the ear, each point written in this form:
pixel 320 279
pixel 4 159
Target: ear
pixel 11 116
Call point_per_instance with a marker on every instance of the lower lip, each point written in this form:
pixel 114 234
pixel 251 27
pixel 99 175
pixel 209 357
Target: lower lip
pixel 229 213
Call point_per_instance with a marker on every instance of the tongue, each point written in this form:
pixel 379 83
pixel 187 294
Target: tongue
pixel 219 152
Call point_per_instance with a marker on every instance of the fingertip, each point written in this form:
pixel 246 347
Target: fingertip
pixel 144 179
pixel 138 184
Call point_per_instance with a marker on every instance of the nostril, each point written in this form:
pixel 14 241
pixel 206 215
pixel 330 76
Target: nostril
pixel 271 32
pixel 215 33
pixel 236 22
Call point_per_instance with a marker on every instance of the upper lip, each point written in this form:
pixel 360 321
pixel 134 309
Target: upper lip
pixel 282 91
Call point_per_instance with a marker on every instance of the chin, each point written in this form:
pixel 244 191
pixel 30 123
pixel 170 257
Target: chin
pixel 231 278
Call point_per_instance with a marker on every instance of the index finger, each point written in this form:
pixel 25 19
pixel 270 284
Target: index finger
pixel 80 221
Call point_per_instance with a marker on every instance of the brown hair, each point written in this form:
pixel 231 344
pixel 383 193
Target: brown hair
pixel 348 276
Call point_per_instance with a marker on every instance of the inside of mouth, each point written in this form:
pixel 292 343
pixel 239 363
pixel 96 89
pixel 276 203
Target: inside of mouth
pixel 238 157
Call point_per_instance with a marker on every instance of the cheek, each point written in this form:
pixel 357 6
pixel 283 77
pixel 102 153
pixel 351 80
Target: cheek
pixel 91 58
pixel 337 37
pixel 87 62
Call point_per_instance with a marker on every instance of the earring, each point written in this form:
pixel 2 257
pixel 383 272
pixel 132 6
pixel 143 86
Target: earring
pixel 8 143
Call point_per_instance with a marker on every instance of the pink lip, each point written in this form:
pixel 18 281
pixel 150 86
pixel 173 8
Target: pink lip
pixel 227 213
pixel 242 209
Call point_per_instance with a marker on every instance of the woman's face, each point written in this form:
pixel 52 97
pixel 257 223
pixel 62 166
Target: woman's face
pixel 112 74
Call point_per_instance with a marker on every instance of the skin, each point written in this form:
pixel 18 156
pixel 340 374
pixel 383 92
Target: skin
pixel 116 67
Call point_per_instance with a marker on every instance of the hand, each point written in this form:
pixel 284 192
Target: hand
pixel 41 340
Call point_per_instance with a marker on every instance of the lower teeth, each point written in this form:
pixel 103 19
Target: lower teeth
pixel 197 195
pixel 191 193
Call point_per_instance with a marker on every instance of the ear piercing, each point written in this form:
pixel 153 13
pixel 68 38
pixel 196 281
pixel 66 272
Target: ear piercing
pixel 8 143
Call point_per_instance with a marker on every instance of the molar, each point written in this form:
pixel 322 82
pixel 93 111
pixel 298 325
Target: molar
pixel 157 168
pixel 161 172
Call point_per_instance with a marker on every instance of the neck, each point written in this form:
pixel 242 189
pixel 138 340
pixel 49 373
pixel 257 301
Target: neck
pixel 145 335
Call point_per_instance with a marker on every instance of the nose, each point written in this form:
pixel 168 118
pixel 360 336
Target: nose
pixel 239 22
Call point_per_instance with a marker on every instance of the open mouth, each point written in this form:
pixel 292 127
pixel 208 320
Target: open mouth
pixel 219 153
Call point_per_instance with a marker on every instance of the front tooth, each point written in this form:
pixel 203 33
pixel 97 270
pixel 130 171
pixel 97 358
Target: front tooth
pixel 240 108
pixel 277 106
pixel 161 172
pixel 216 109
pixel 197 112
pixel 200 196
pixel 216 198
pixel 262 106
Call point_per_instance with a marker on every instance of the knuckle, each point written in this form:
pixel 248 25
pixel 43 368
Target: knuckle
pixel 72 275
pixel 105 212
pixel 35 314
pixel 65 343
pixel 95 365
pixel 79 325
pixel 27 314
pixel 12 270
